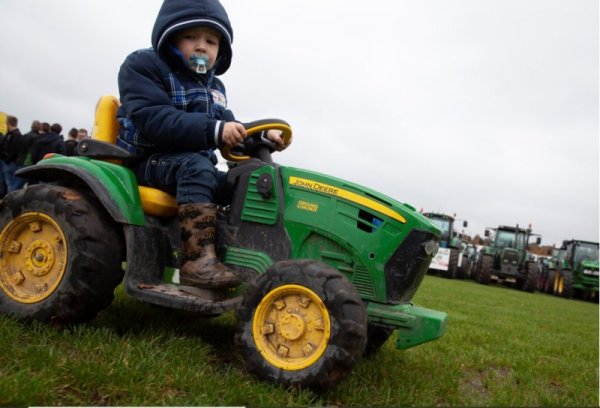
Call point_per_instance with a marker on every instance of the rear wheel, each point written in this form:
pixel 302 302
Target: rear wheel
pixel 302 323
pixel 548 281
pixel 464 270
pixel 475 271
pixel 485 270
pixel 531 277
pixel 563 283
pixel 58 261
pixel 450 273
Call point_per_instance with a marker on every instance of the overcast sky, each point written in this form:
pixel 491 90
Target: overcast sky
pixel 487 109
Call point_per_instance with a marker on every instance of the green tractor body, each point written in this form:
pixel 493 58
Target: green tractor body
pixel 328 265
pixel 573 270
pixel 448 261
pixel 507 259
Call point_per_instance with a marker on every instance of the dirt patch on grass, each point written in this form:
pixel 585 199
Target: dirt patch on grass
pixel 475 384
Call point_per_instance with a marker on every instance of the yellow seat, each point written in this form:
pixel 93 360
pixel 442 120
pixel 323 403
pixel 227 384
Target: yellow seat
pixel 106 127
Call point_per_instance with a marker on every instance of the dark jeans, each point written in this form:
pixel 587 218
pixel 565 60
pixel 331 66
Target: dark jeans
pixel 190 177
pixel 10 181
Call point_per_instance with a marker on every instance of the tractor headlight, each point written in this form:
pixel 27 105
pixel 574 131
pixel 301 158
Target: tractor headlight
pixel 431 247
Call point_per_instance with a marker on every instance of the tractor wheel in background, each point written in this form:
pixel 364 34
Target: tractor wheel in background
pixel 548 282
pixel 60 255
pixel 485 271
pixel 475 271
pixel 302 323
pixel 563 283
pixel 464 270
pixel 376 337
pixel 531 277
pixel 450 273
pixel 469 268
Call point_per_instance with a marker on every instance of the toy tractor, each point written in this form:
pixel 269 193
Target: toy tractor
pixel 507 260
pixel 329 267
pixel 449 256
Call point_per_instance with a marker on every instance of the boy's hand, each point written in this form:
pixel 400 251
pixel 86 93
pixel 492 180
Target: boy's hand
pixel 233 133
pixel 274 136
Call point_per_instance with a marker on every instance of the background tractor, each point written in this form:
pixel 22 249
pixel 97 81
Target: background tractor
pixel 548 267
pixel 329 267
pixel 449 257
pixel 573 270
pixel 507 260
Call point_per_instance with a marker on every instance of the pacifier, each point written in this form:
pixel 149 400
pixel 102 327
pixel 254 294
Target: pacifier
pixel 199 63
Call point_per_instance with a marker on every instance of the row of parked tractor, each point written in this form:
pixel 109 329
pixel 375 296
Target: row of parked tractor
pixel 571 271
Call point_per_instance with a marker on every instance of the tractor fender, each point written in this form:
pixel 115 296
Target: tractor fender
pixel 114 186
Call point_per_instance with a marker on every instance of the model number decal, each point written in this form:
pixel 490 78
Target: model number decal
pixel 303 205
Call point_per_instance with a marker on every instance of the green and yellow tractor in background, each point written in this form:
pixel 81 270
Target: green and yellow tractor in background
pixel 329 267
pixel 572 271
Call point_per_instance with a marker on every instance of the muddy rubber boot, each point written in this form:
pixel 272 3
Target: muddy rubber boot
pixel 199 264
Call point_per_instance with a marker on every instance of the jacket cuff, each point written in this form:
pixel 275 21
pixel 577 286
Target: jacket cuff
pixel 217 134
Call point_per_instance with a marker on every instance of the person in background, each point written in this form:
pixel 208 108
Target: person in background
pixel 9 151
pixel 36 127
pixel 71 142
pixel 47 141
pixel 56 128
pixel 82 134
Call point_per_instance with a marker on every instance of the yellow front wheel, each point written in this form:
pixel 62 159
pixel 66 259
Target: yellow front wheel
pixel 302 323
pixel 291 327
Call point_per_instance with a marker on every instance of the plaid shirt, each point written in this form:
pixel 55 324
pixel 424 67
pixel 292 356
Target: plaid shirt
pixel 169 110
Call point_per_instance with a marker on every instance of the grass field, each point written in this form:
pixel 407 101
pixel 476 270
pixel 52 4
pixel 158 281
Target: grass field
pixel 502 348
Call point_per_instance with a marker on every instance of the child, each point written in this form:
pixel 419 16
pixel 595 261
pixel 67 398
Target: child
pixel 174 115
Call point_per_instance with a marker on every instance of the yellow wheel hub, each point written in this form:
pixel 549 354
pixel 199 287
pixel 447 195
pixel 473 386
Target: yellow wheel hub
pixel 33 257
pixel 291 327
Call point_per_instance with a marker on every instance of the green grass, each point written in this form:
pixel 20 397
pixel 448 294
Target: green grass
pixel 502 348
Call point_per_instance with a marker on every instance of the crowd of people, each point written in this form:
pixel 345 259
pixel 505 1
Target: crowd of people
pixel 18 150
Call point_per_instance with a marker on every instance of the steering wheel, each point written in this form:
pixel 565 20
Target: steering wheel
pixel 256 143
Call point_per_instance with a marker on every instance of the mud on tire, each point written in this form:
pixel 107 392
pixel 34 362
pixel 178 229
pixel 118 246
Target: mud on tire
pixel 60 255
pixel 283 329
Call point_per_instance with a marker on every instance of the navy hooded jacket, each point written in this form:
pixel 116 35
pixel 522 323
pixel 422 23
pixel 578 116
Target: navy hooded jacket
pixel 165 106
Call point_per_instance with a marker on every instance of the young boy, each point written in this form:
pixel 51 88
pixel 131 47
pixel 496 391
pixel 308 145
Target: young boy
pixel 174 115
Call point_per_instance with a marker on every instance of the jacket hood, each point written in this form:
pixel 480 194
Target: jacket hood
pixel 176 15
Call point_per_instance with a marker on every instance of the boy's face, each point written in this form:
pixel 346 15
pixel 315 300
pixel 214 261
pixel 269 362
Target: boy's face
pixel 198 41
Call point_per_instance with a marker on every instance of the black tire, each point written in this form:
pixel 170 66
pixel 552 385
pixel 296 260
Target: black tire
pixel 450 273
pixel 485 271
pixel 376 337
pixel 548 282
pixel 563 283
pixel 331 296
pixel 531 277
pixel 60 255
pixel 464 270
pixel 475 271
pixel 469 269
